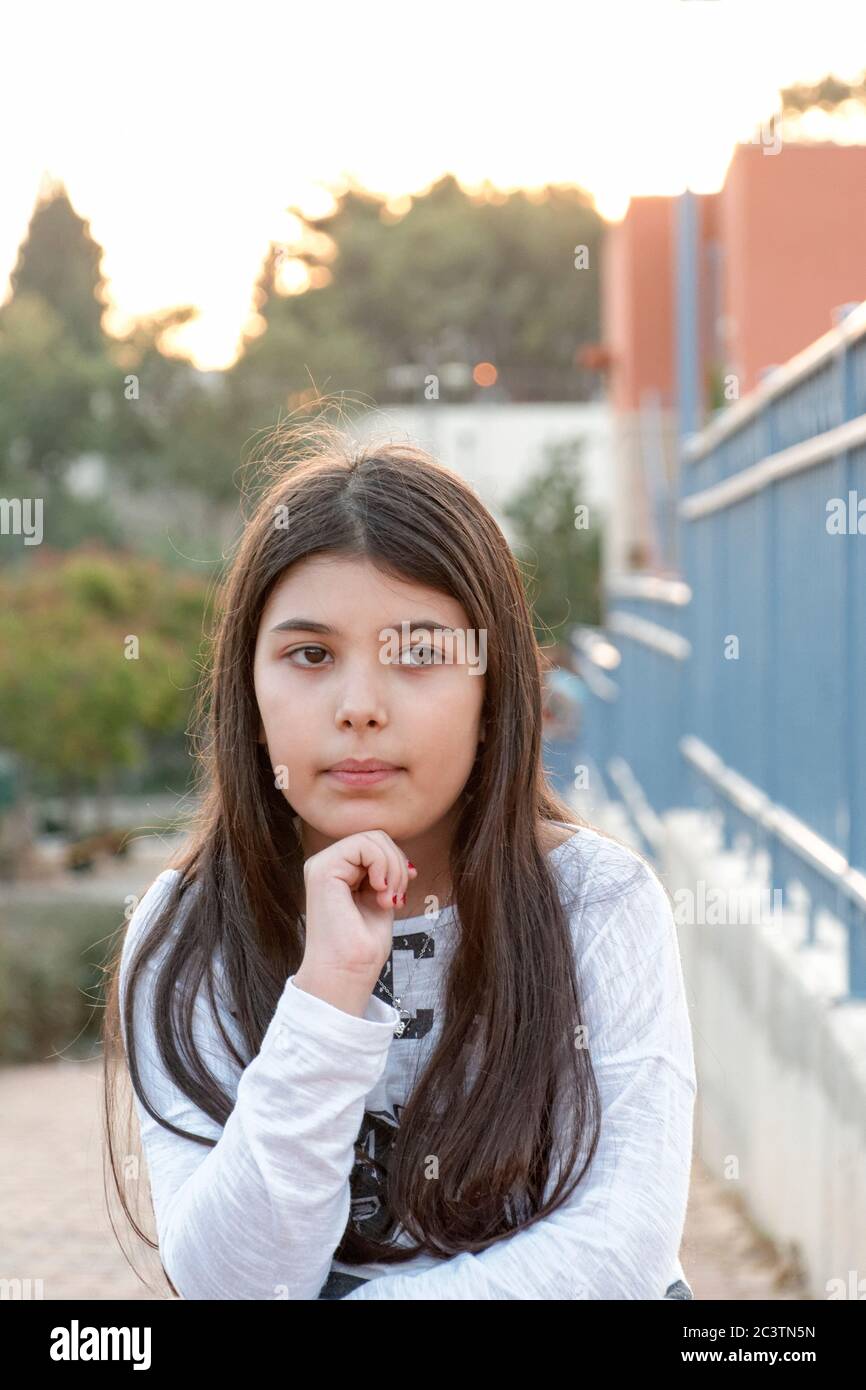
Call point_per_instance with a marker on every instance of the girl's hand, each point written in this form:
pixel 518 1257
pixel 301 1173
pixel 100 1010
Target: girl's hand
pixel 350 906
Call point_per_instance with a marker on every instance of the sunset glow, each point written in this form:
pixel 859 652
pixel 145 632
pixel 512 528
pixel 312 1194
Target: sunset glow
pixel 185 138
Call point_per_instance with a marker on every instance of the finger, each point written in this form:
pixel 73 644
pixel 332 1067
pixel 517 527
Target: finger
pixel 396 886
pixel 405 874
pixel 379 872
pixel 395 890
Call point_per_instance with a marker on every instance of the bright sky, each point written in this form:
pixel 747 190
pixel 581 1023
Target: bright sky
pixel 183 131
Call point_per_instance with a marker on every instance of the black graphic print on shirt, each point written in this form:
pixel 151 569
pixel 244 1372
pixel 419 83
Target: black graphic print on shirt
pixel 415 943
pixel 368 1182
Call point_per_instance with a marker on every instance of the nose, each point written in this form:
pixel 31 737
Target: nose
pixel 360 704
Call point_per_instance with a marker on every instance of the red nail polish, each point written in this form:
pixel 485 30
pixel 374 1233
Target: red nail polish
pixel 404 900
pixel 394 900
pixel 411 865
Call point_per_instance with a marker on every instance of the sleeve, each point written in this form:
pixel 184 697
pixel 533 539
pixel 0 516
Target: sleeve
pixel 259 1214
pixel 618 1235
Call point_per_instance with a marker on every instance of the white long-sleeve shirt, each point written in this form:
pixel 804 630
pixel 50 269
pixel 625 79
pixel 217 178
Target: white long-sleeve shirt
pixel 260 1214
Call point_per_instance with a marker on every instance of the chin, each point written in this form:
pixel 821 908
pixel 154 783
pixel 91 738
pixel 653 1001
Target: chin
pixel 361 814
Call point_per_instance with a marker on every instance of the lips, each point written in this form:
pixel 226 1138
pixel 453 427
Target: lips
pixel 366 765
pixel 363 773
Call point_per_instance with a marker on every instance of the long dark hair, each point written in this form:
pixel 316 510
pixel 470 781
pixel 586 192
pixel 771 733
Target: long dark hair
pixel 512 991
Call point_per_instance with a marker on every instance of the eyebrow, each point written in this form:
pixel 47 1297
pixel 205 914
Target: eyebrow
pixel 310 625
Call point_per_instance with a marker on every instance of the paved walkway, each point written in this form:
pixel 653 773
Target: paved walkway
pixel 722 1254
pixel 54 1225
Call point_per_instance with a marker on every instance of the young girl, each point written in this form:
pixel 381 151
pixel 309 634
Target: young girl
pixel 396 1026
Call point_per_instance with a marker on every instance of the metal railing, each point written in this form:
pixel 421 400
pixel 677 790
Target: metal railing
pixel 741 684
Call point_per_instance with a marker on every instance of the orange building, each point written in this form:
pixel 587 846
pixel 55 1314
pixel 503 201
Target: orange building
pixel 776 254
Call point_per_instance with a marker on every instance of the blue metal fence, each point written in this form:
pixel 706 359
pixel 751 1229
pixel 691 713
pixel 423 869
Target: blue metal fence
pixel 741 684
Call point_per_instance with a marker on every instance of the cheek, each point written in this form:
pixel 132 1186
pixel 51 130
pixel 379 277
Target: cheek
pixel 447 718
pixel 282 712
pixel 266 699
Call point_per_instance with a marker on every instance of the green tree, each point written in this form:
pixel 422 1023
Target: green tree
pixel 558 552
pixel 60 261
pixel 828 94
pixel 456 278
pixel 395 297
pixel 47 386
pixel 98 653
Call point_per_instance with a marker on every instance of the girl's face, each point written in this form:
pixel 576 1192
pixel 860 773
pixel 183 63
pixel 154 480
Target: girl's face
pixel 338 676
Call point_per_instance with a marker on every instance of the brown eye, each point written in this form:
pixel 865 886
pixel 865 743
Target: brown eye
pixel 316 651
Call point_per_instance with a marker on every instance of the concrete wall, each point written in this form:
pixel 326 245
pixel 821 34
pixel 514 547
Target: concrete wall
pixel 498 447
pixel 781 1068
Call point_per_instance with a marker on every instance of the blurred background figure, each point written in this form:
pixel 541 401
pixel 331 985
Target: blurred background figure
pixel 562 720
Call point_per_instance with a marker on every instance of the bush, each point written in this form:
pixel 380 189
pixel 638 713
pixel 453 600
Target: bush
pixel 83 854
pixel 51 977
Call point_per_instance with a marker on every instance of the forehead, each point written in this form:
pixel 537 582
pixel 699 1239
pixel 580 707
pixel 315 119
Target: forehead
pixel 344 592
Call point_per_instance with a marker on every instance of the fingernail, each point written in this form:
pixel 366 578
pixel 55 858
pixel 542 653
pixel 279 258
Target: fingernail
pixel 394 900
pixel 404 900
pixel 411 865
